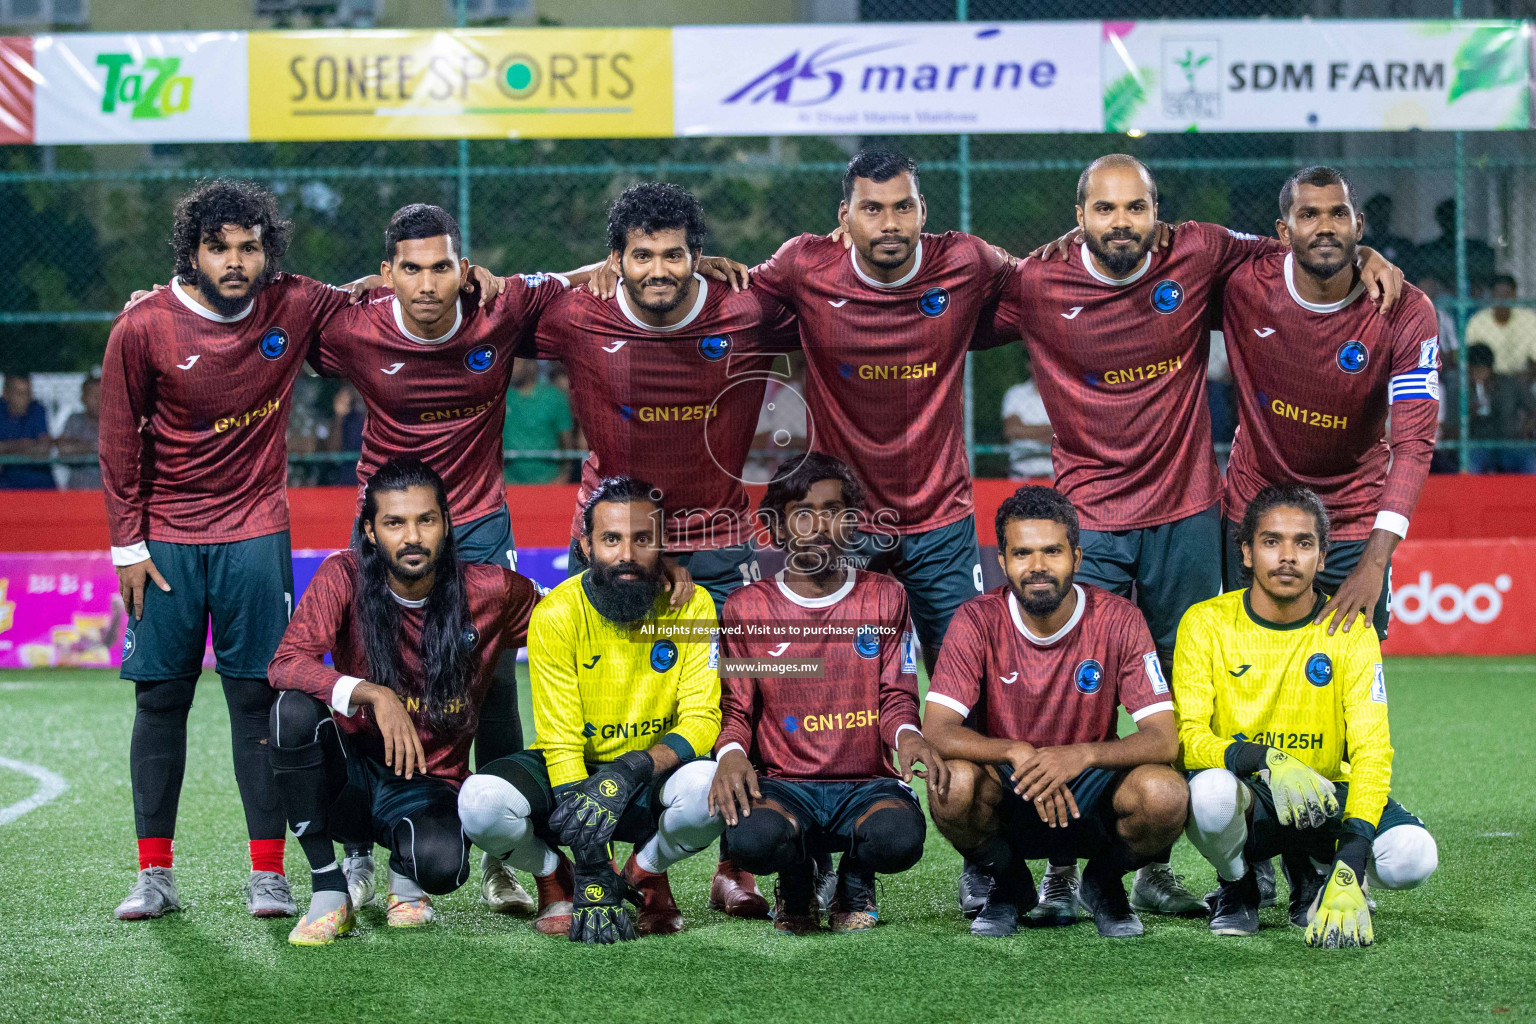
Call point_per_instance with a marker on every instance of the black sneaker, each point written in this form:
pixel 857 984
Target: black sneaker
pixel 1264 870
pixel 853 908
pixel 826 879
pixel 1235 911
pixel 975 884
pixel 1007 899
pixel 1305 882
pixel 1057 897
pixel 1102 894
pixel 794 901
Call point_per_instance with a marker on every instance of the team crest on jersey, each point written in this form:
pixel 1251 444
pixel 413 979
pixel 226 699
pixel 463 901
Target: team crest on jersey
pixel 1167 296
pixel 714 346
pixel 273 343
pixel 480 358
pixel 470 637
pixel 1353 356
pixel 1319 669
pixel 534 280
pixel 130 644
pixel 867 642
pixel 663 655
pixel 1089 676
pixel 933 302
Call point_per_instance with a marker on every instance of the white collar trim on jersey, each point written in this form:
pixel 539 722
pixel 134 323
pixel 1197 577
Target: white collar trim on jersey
pixel 917 262
pixel 1115 282
pixel 1317 307
pixel 458 320
pixel 693 314
pixel 206 313
pixel 816 602
pixel 402 602
pixel 1046 641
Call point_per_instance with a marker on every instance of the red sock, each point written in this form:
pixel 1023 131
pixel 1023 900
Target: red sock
pixel 154 853
pixel 267 855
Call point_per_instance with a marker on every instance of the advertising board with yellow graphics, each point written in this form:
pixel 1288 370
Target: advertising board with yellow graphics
pixel 461 83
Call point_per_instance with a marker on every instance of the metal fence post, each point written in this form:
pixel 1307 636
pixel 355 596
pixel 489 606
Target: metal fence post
pixel 963 172
pixel 461 18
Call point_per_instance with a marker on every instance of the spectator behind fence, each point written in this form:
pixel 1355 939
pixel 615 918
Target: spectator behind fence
pixel 1509 331
pixel 344 433
pixel 80 435
pixel 1499 408
pixel 24 431
pixel 1439 257
pixel 1378 231
pixel 538 419
pixel 1027 429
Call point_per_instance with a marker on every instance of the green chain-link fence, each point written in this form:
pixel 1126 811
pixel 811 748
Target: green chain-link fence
pixel 83 226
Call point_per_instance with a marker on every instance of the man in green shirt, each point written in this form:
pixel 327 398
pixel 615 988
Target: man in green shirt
pixel 538 419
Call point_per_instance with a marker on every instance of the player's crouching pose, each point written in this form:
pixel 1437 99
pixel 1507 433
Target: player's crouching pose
pixel 620 723
pixel 414 635
pixel 1041 776
pixel 1268 704
pixel 822 744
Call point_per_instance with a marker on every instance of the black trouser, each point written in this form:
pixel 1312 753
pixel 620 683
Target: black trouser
pixel 333 789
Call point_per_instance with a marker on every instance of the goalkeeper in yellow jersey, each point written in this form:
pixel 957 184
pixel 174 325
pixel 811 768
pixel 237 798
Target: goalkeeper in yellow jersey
pixel 1269 705
pixel 625 726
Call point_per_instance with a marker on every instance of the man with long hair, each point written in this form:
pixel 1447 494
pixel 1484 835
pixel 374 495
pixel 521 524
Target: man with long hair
pixel 626 700
pixel 374 746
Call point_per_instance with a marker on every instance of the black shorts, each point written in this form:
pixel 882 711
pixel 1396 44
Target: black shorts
pixel 940 570
pixel 374 799
pixel 1092 834
pixel 1343 556
pixel 244 586
pixel 529 775
pixel 487 540
pixel 828 811
pixel 721 571
pixel 1172 567
pixel 1268 838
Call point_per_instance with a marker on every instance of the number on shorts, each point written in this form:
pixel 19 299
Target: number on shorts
pixel 976 576
pixel 512 559
pixel 751 572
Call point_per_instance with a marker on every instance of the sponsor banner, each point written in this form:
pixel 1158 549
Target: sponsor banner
pixel 1242 76
pixel 160 87
pixel 1463 597
pixel 16 90
pixel 887 79
pixel 461 83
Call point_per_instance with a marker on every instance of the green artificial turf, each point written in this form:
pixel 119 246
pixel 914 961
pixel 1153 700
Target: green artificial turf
pixel 1458 948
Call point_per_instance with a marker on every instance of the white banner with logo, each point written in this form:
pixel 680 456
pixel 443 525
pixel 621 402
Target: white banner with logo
pixel 887 79
pixel 1242 76
pixel 160 87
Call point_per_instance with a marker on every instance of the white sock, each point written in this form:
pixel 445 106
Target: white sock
pixel 1218 822
pixel 496 816
pixel 405 888
pixel 1402 857
pixel 685 826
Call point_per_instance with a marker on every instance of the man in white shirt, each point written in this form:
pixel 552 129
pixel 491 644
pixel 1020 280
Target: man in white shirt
pixel 1028 432
pixel 1509 330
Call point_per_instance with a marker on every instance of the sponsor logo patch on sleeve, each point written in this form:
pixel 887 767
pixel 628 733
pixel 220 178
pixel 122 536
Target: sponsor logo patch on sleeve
pixel 1379 685
pixel 1154 673
pixel 908 653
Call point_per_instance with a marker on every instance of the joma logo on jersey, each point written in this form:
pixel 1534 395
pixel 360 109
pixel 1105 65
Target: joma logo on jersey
pixel 438 415
pixel 1308 417
pixel 841 720
pixel 898 371
pixel 668 413
pixel 624 730
pixel 224 423
pixel 147 91
pixel 1137 374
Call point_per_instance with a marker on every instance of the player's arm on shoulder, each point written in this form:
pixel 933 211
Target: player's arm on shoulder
pixel 1194 691
pixel 557 716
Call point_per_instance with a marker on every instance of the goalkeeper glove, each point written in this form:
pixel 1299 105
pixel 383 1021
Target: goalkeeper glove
pixel 588 813
pixel 598 915
pixel 1303 798
pixel 1342 919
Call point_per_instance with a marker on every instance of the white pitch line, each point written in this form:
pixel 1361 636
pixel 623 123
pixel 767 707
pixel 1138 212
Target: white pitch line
pixel 50 785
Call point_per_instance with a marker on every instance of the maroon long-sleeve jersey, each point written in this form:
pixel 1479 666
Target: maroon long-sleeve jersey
pixel 675 406
pixel 1121 369
pixel 885 366
pixel 326 622
pixel 1056 690
pixel 194 412
pixel 1314 386
pixel 441 401
pixel 842 726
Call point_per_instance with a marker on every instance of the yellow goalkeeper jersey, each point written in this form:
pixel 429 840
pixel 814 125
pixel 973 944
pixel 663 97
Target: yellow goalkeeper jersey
pixel 1322 699
pixel 598 694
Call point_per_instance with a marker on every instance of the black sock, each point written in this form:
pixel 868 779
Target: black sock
pixel 329 880
pixel 157 754
pixel 299 775
pixel 250 705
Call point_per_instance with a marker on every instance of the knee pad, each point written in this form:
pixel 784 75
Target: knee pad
pixel 765 842
pixel 1402 857
pixel 486 801
pixel 248 696
pixel 165 695
pixel 295 719
pixel 432 850
pixel 891 839
pixel 1216 798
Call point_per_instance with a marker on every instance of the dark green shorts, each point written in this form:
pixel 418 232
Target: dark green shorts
pixel 940 569
pixel 721 571
pixel 1343 556
pixel 529 775
pixel 1268 838
pixel 245 587
pixel 487 540
pixel 1171 567
pixel 1093 834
